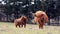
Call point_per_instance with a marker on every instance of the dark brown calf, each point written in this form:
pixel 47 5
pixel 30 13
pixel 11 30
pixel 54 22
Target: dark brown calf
pixel 20 21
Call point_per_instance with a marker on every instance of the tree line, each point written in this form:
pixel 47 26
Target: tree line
pixel 26 7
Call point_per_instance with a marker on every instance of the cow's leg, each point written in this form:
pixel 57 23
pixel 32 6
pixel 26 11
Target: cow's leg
pixel 38 25
pixel 19 26
pixel 24 25
pixel 16 26
pixel 41 26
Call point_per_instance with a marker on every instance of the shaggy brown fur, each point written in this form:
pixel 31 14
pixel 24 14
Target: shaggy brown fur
pixel 20 21
pixel 40 18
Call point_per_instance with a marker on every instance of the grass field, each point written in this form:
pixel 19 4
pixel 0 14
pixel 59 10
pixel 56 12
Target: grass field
pixel 8 28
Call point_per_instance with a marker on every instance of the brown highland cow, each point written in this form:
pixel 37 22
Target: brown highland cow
pixel 40 18
pixel 20 21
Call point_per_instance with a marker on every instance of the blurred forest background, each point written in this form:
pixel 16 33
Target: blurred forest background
pixel 12 9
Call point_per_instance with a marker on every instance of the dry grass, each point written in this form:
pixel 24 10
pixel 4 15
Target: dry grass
pixel 8 28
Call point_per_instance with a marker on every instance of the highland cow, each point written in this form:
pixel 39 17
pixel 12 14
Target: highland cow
pixel 40 18
pixel 20 21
